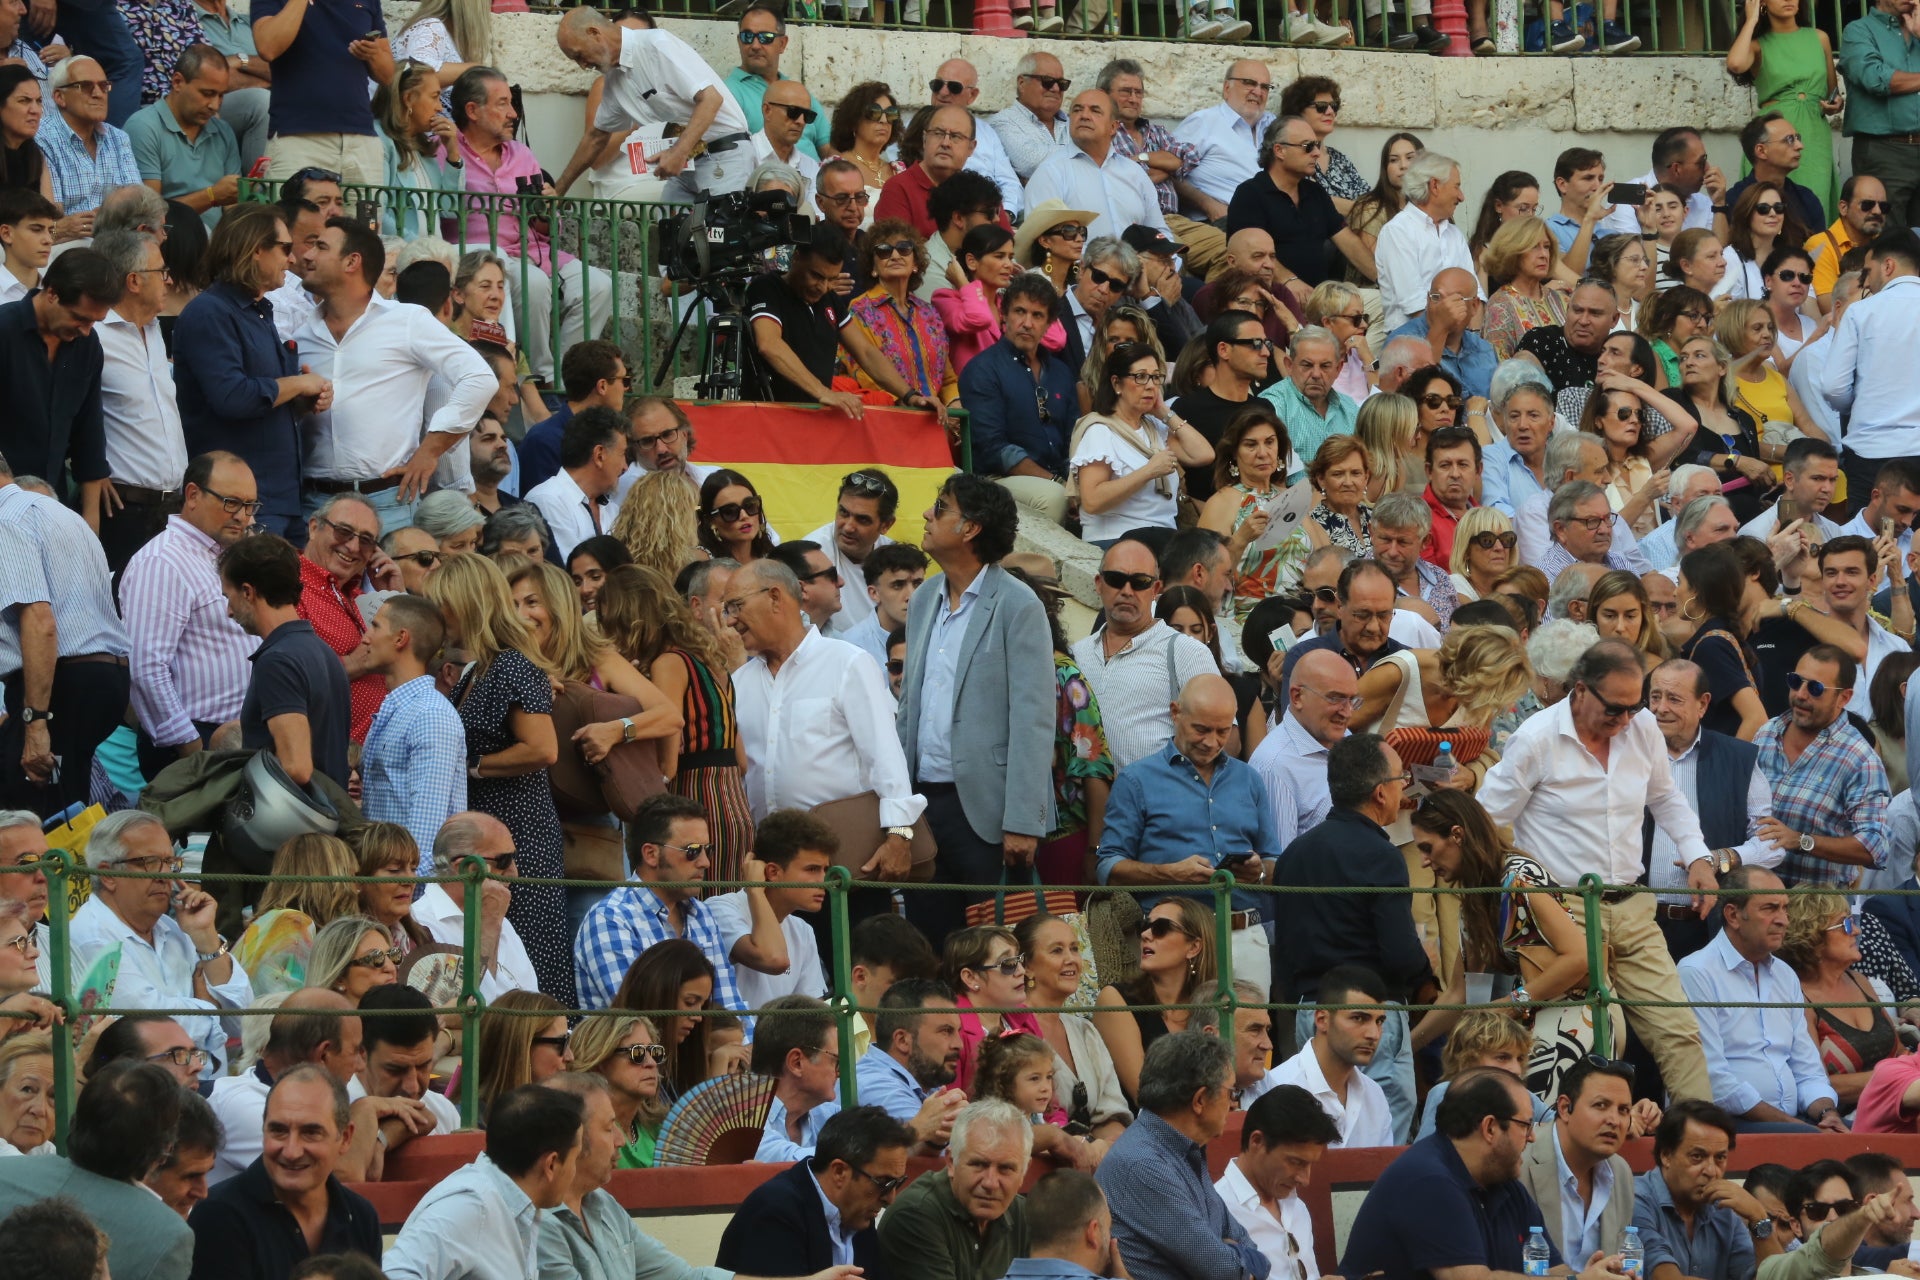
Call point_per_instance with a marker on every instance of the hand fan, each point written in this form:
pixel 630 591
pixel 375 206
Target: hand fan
pixel 718 1122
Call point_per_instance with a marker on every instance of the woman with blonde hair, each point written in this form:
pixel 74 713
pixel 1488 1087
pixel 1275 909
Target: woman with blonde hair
pixel 1823 947
pixel 450 36
pixel 1747 330
pixel 420 146
pixel 388 853
pixel 26 1095
pixel 1387 425
pixel 647 620
pixel 1620 609
pixel 1176 958
pixel 657 522
pixel 1483 549
pixel 518 1045
pixel 352 955
pixel 1482 1038
pixel 1337 307
pixel 1519 261
pixel 505 701
pixel 277 946
pixel 625 1050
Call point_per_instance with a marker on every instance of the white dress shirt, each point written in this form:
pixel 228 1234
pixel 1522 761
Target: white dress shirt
pixel 1577 816
pixel 380 369
pixel 821 729
pixel 989 160
pixel 1293 764
pixel 444 922
pixel 654 82
pixel 159 974
pixel 145 443
pixel 856 606
pixel 1227 145
pixel 1767 523
pixel 11 290
pixel 1664 871
pixel 474 1224
pixel 1364 1119
pixel 190 660
pixel 569 512
pixel 1411 251
pixel 1116 190
pixel 292 304
pixel 241 1104
pixel 734 918
pixel 800 162
pixel 1808 376
pixel 1870 370
pixel 939 677
pixel 446 1112
pixel 1858 527
pixel 1269 1232
pixel 1754 1055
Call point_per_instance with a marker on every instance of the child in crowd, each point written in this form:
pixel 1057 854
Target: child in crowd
pixel 1017 1067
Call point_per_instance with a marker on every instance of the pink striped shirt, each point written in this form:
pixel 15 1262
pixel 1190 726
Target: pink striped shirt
pixel 190 660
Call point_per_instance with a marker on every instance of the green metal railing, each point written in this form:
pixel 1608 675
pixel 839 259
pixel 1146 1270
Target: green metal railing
pixel 59 865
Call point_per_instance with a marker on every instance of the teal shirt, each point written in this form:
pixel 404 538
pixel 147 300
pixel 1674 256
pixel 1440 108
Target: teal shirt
pixel 1872 50
pixel 749 89
pixel 165 155
pixel 1306 429
pixel 231 35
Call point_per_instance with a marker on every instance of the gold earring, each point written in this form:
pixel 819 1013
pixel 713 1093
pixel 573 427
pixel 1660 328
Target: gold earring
pixel 1047 266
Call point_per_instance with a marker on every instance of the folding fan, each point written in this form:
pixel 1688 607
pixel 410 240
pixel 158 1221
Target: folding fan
pixel 718 1122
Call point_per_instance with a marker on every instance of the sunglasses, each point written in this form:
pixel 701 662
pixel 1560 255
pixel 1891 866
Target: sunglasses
pixel 1326 104
pixel 807 114
pixel 732 511
pixel 1620 1065
pixel 377 959
pixel 830 573
pixel 1066 231
pixel 347 533
pixel 1796 277
pixel 896 666
pixel 1434 400
pixel 757 37
pixel 1006 968
pixel 894 248
pixel 1815 688
pixel 885 1186
pixel 1262 345
pixel 1871 206
pixel 311 174
pixel 1040 399
pixel 556 1043
pixel 1140 582
pixel 1820 1210
pixel 694 852
pixel 1358 317
pixel 1625 414
pixel 953 87
pixel 1847 925
pixel 1310 148
pixel 1614 710
pixel 1119 284
pixel 501 862
pixel 1488 541
pixel 655 1053
pixel 425 559
pixel 1767 208
pixel 1326 595
pixel 877 112
pixel 1160 927
pixel 1050 83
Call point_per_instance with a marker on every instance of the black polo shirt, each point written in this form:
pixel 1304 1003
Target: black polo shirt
pixel 1208 414
pixel 1300 229
pixel 242 1232
pixel 1426 1214
pixel 1564 366
pixel 295 673
pixel 812 331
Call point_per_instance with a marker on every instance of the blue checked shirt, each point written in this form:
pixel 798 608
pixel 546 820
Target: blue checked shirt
pixel 627 922
pixel 82 178
pixel 1168 1221
pixel 1837 787
pixel 413 770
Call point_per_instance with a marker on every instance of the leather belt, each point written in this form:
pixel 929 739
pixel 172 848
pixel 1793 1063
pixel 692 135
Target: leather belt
pixel 728 142
pixel 1244 920
pixel 1905 139
pixel 1614 897
pixel 376 485
pixel 135 495
pixel 113 658
pixel 1674 911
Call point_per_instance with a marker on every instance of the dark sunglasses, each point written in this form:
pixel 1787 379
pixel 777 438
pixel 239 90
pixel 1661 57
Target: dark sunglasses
pixel 1770 207
pixel 557 1043
pixel 1820 1210
pixel 953 87
pixel 1140 582
pixel 425 559
pixel 807 114
pixel 733 510
pixel 1160 927
pixel 375 959
pixel 1324 104
pixel 1871 206
pixel 311 174
pixel 1066 231
pixel 1815 688
pixel 1262 345
pixel 1613 710
pixel 1119 284
pixel 1434 400
pixel 757 37
pixel 830 573
pixel 1619 1065
pixel 896 666
pixel 1488 541
pixel 656 1053
pixel 1625 414
pixel 1050 83
pixel 500 862
pixel 1796 277
pixel 875 111
pixel 894 248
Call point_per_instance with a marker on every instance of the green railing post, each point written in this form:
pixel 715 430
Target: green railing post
pixel 474 871
pixel 839 884
pixel 1597 994
pixel 55 864
pixel 1222 883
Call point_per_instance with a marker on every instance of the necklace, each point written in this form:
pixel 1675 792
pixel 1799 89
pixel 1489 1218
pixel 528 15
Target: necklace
pixel 875 167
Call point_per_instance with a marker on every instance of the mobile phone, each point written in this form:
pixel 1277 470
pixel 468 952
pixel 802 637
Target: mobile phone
pixel 1234 859
pixel 374 35
pixel 1627 193
pixel 259 169
pixel 367 213
pixel 1886 527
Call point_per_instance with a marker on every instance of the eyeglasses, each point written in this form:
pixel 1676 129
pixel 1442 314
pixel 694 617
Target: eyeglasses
pixel 864 482
pixel 830 573
pixel 953 87
pixel 858 197
pixel 347 533
pixel 1358 317
pixel 1614 710
pixel 1488 541
pixel 1698 317
pixel 1592 524
pixel 377 959
pixel 1796 277
pixel 1308 147
pixel 425 559
pixel 1871 206
pixel 1504 1121
pixel 807 114
pixel 732 511
pixel 232 506
pixel 312 174
pixel 885 1186
pixel 1404 778
pixel 154 865
pixel 181 1056
pixel 1148 378
pixel 1140 582
pixel 757 37
pixel 1820 1210
pixel 893 249
pixel 1256 86
pixel 89 87
pixel 1815 688
pixel 1066 231
pixel 948 135
pixel 1006 968
pixel 731 609
pixel 284 246
pixel 655 1053
pixel 670 436
pixel 24 944
pixel 1050 83
pixel 1119 284
pixel 1767 208
pixel 1434 400
pixel 556 1043
pixel 1625 413
pixel 1334 701
pixel 1846 924
pixel 875 111
pixel 1262 345
pixel 896 666
pixel 1325 104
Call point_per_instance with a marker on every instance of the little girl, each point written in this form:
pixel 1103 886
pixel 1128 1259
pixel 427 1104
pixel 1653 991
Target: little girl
pixel 1018 1068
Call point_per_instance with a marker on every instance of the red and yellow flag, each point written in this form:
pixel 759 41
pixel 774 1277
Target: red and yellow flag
pixel 796 455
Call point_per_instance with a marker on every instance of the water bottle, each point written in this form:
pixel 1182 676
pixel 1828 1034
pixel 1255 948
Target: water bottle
pixel 1633 1259
pixel 1538 1253
pixel 1444 763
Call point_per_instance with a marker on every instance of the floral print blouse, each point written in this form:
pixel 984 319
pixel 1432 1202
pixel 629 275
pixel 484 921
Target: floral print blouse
pixel 1079 747
pixel 915 343
pixel 1265 573
pixel 1341 531
pixel 1341 178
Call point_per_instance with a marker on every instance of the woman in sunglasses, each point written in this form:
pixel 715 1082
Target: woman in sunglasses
pixel 353 955
pixel 1176 958
pixel 982 964
pixel 865 123
pixel 900 329
pixel 1127 453
pixel 1338 308
pixel 1788 275
pixel 1712 592
pixel 732 521
pixel 277 947
pixel 1483 550
pixel 1823 946
pixel 1614 417
pixel 1760 219
pixel 676 974
pixel 1248 475
pixel 625 1050
pixel 1051 240
pixel 1674 314
pixel 518 1047
pixel 1438 398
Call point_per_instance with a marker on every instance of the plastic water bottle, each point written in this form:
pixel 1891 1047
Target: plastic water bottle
pixel 1538 1253
pixel 1444 763
pixel 1633 1259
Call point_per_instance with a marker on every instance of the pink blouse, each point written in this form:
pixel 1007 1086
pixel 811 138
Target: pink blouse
pixel 973 323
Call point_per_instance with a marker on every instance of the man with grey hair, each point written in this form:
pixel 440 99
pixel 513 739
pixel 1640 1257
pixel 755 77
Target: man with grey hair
pixel 441 908
pixel 1421 241
pixel 1554 647
pixel 171 954
pixel 817 721
pixel 1687 482
pixel 1401 522
pixel 22 840
pixel 1567 597
pixel 1568 456
pixel 1286 200
pixel 135 207
pixel 1702 522
pixel 1582 522
pixel 1400 357
pixel 967 1221
pixel 1083 306
pixel 1224 140
pixel 1168 1221
pixel 1305 399
pixel 86 156
pixel 1034 127
pixel 146 446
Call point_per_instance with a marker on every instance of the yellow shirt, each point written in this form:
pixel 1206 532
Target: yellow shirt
pixel 1827 248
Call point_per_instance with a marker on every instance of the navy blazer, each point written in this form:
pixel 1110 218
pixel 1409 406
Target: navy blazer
pixel 1901 916
pixel 781 1229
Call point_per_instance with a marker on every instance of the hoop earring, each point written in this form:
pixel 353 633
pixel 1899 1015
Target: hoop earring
pixel 1698 614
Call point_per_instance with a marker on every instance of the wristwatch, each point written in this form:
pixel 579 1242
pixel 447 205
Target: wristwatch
pixel 1725 860
pixel 905 833
pixel 1806 843
pixel 626 728
pixel 208 957
pixel 30 714
pixel 1761 1230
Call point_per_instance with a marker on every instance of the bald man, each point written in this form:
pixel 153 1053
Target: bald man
pixel 1080 177
pixel 441 908
pixel 1189 809
pixel 1450 326
pixel 313 1025
pixel 1250 249
pixel 785 112
pixel 956 83
pixel 1292 760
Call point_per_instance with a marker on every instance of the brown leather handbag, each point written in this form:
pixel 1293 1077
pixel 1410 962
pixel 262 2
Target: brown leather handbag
pixel 618 784
pixel 856 820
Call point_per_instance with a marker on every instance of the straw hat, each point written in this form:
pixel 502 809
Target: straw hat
pixel 1043 218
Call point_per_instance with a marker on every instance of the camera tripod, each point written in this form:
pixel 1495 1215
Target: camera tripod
pixel 724 368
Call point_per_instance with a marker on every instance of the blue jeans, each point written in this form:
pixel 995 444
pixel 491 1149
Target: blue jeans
pixel 98 31
pixel 1391 1068
pixel 393 513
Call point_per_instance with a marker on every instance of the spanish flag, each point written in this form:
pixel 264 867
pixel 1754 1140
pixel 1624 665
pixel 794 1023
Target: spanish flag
pixel 796 455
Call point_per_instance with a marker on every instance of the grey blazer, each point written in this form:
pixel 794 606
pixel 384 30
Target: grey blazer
pixel 1003 704
pixel 1540 1171
pixel 149 1240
